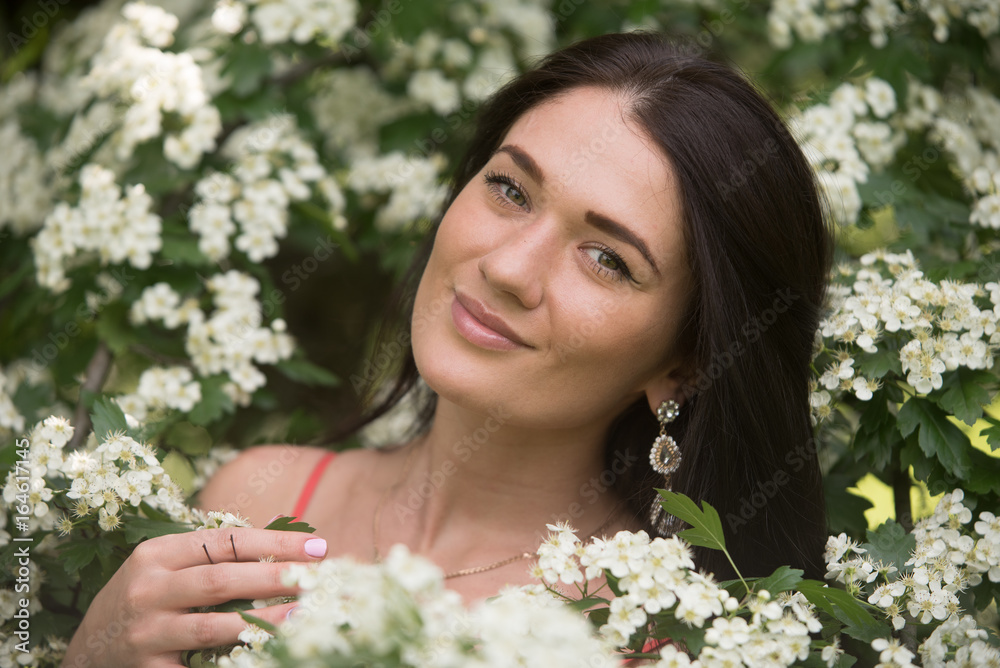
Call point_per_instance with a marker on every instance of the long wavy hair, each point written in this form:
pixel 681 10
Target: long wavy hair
pixel 759 251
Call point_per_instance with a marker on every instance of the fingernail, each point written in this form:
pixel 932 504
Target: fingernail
pixel 316 547
pixel 274 518
pixel 288 615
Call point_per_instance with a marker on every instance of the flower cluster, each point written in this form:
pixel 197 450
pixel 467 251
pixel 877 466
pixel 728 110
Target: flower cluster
pixel 10 418
pixel 400 613
pixel 952 554
pixel 133 66
pixel 118 225
pixel 278 21
pixel 889 306
pixel 350 105
pixel 658 577
pixel 24 192
pixel 228 341
pixel 845 138
pixel 812 20
pixel 412 185
pixel 116 473
pixel 162 387
pixel 217 519
pixel 966 125
pixel 272 167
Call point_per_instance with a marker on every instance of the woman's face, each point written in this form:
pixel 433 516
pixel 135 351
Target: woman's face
pixel 558 278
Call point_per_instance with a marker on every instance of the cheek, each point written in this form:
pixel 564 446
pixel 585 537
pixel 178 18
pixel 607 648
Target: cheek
pixel 605 336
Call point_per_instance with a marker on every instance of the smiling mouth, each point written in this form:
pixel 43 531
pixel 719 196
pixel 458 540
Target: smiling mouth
pixel 482 328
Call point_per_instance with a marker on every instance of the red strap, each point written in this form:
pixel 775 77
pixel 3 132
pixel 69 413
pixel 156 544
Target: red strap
pixel 307 491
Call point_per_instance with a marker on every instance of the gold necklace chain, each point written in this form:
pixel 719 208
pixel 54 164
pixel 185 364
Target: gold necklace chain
pixel 465 571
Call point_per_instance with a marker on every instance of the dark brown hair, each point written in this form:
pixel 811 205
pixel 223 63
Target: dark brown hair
pixel 759 251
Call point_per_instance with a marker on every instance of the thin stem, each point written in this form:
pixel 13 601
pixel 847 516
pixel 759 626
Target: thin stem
pixel 901 493
pixel 738 574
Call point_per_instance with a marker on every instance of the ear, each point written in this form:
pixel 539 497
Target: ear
pixel 669 385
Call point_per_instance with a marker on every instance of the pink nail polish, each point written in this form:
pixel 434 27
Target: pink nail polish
pixel 288 615
pixel 316 547
pixel 273 518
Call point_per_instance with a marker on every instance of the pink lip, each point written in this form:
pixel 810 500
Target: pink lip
pixel 482 328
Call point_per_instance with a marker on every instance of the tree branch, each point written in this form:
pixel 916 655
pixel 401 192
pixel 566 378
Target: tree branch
pixel 97 373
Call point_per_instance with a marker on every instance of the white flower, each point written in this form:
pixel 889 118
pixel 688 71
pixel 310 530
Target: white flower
pixel 433 88
pixel 728 633
pixel 229 16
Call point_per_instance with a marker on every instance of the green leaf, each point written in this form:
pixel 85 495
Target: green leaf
pixel 985 478
pixel 878 364
pixel 783 579
pixel 992 434
pixel 891 544
pixel 598 617
pixel 236 605
pixel 248 64
pixel 214 402
pixel 114 329
pixel 668 626
pixel 267 626
pixel 858 622
pixel 285 523
pixel 107 416
pixel 183 250
pixel 189 439
pixel 936 436
pixel 876 437
pixel 138 528
pixel 9 283
pixel 303 371
pixel 153 513
pixel 77 554
pixel 966 395
pixel 706 527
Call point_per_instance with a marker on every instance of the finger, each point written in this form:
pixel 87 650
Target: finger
pixel 211 585
pixel 202 630
pixel 275 614
pixel 215 546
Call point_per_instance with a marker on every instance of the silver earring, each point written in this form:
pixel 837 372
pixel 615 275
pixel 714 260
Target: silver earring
pixel 665 458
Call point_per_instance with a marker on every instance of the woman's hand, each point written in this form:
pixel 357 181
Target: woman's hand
pixel 141 617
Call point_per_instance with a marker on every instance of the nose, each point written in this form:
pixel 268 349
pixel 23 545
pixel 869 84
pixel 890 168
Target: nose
pixel 519 262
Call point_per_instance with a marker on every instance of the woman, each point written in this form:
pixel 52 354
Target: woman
pixel 632 226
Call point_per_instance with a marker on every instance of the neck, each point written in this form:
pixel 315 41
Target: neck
pixel 476 483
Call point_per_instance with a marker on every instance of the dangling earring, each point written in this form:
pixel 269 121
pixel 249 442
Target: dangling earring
pixel 665 458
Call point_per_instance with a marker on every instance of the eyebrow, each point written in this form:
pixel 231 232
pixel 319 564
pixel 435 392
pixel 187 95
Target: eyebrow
pixel 622 233
pixel 524 161
pixel 600 221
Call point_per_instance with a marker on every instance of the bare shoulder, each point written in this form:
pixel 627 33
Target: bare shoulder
pixel 259 482
pixel 265 480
